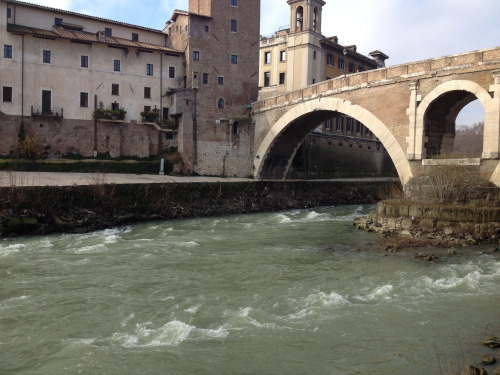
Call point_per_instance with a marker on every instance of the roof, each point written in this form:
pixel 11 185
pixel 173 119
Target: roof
pixel 86 37
pixel 351 52
pixel 178 13
pixel 86 16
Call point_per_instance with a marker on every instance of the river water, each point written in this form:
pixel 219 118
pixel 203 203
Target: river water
pixel 270 293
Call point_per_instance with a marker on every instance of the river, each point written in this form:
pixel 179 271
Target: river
pixel 295 292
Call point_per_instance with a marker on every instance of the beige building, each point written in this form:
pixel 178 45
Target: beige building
pixel 57 67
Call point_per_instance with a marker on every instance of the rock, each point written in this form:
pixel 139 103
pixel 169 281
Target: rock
pixel 492 342
pixel 452 251
pixel 497 371
pixel 405 233
pixel 448 231
pixel 487 359
pixel 471 370
pixel 494 250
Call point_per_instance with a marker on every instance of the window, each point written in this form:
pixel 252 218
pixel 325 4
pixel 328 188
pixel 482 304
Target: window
pixel 341 64
pixel 234 3
pixel 352 68
pixel 283 55
pixel 147 92
pixel 108 31
pixel 234 59
pixel 299 16
pixel 235 127
pixel 8 13
pixel 205 78
pixel 46 56
pixel 339 124
pixel 171 72
pixel 7 94
pixel 147 108
pixel 115 106
pixel 196 55
pixel 358 127
pixel 349 125
pixel 84 99
pixel 135 37
pixel 282 78
pixel 314 55
pixel 165 112
pixel 116 65
pixel 328 124
pixel 206 28
pixel 84 61
pixel 7 51
pixel 220 103
pixel 234 26
pixel 115 89
pixel 267 57
pixel 220 80
pixel 330 60
pixel 267 79
pixel 58 21
pixel 149 69
pixel 361 68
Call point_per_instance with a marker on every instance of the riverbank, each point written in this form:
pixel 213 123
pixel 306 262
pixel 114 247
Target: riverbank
pixel 40 210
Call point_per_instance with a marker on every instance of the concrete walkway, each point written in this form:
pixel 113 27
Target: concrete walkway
pixel 67 179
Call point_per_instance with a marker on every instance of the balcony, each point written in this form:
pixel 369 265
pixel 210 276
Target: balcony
pixel 102 114
pixel 47 112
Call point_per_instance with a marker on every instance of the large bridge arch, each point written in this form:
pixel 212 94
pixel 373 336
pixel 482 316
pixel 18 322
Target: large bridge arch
pixel 323 108
pixel 441 106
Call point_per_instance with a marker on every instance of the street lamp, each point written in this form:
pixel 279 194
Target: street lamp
pixel 345 61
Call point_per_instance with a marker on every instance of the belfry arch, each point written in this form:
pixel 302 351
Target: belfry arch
pixel 281 142
pixel 437 113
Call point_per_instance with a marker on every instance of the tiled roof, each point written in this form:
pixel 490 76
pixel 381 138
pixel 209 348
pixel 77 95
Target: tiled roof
pixel 83 36
pixel 80 15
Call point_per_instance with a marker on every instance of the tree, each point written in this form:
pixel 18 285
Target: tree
pixel 469 140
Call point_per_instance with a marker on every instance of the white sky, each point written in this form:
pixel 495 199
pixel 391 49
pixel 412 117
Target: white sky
pixel 405 30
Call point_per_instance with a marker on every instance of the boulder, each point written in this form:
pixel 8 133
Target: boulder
pixel 492 342
pixel 487 359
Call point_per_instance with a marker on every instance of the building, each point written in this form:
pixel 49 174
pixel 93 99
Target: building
pixel 58 67
pixel 299 56
pixel 88 86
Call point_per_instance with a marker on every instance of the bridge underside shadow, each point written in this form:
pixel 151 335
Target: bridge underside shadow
pixel 277 150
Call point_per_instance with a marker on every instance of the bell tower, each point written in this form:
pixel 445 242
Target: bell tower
pixel 305 56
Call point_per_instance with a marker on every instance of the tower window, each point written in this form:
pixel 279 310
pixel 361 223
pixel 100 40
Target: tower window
pixel 205 78
pixel 220 103
pixel 299 18
pixel 234 3
pixel 234 26
pixel 220 80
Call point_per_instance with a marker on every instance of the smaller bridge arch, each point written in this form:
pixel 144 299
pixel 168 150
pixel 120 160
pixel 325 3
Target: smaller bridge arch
pixel 278 138
pixel 437 113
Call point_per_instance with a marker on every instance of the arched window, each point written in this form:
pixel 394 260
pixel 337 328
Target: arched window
pixel 220 103
pixel 315 19
pixel 300 19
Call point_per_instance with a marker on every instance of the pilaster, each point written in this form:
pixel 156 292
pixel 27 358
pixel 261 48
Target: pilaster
pixel 491 148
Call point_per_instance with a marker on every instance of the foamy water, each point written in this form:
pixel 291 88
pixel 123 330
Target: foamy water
pixel 251 294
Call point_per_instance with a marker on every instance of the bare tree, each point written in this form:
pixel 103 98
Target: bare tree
pixel 469 140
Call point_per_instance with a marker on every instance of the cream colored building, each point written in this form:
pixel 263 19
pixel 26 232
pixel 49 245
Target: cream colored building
pixel 301 56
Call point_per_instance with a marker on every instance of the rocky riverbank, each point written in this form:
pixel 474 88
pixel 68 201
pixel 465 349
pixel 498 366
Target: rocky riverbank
pixel 79 209
pixel 411 224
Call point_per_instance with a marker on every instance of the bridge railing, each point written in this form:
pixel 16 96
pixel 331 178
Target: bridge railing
pixel 387 75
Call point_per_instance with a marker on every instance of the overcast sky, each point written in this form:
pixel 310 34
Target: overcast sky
pixel 405 30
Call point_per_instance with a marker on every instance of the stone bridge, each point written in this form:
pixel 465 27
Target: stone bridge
pixel 410 108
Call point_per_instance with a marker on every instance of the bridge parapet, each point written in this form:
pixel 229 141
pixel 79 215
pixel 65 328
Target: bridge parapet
pixel 469 61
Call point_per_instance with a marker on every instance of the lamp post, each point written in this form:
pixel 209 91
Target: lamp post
pixel 345 61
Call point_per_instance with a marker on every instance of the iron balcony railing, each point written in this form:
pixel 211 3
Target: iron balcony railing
pixel 55 112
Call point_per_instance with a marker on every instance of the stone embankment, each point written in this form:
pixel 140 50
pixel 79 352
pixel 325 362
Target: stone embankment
pixel 77 209
pixel 439 225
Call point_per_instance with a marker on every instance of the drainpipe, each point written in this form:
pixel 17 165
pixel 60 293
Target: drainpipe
pixel 22 81
pixel 161 89
pixel 195 130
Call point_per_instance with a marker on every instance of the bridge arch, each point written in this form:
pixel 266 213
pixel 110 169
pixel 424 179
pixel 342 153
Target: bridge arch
pixel 437 113
pixel 321 109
